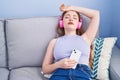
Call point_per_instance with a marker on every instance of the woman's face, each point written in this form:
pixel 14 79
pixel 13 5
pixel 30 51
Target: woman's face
pixel 70 20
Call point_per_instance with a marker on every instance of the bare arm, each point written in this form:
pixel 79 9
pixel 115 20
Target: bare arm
pixel 90 33
pixel 47 66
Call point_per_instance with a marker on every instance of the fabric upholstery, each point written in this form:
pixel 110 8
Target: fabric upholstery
pixel 27 40
pixel 102 55
pixel 26 73
pixel 4 74
pixel 2 45
pixel 115 64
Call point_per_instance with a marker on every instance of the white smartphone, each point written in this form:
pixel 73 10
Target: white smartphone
pixel 75 55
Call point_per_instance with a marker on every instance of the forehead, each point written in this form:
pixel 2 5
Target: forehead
pixel 71 13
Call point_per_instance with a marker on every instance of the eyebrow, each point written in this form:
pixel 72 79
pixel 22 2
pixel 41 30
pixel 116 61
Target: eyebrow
pixel 73 15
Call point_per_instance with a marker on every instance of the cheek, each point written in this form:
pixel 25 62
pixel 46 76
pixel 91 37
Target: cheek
pixel 76 23
pixel 65 22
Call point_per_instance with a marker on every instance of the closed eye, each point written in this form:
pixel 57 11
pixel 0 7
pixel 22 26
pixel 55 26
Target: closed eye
pixel 67 17
pixel 75 18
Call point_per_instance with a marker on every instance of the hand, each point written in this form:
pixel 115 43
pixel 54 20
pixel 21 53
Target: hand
pixel 66 8
pixel 66 63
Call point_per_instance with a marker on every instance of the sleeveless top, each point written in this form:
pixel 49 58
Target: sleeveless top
pixel 65 45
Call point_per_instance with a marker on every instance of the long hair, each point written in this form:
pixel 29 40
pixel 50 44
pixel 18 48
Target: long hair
pixel 61 32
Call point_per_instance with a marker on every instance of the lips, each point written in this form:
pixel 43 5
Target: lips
pixel 70 23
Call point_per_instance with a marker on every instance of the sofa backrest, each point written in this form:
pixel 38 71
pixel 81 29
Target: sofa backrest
pixel 27 39
pixel 3 62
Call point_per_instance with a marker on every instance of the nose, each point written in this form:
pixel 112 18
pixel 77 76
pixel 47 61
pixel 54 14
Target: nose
pixel 70 19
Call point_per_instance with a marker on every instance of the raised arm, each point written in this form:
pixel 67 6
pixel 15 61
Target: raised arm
pixel 90 33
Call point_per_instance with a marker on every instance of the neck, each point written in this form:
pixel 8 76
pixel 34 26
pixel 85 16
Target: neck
pixel 70 32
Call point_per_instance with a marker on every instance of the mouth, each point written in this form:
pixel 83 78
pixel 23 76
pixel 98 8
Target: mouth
pixel 71 23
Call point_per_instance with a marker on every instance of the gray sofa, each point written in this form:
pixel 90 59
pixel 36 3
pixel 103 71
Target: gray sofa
pixel 23 43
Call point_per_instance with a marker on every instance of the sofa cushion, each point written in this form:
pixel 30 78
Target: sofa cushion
pixel 115 64
pixel 26 73
pixel 102 49
pixel 2 45
pixel 27 39
pixel 4 74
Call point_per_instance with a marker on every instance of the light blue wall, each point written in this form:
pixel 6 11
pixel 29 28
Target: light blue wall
pixel 115 29
pixel 35 8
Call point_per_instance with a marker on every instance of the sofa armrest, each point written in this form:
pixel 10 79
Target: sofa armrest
pixel 115 64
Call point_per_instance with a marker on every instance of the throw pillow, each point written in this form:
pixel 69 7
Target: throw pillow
pixel 102 48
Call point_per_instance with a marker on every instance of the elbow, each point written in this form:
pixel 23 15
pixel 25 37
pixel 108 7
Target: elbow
pixel 43 70
pixel 97 13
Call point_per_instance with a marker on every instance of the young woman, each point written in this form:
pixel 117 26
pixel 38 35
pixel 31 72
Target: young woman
pixel 71 36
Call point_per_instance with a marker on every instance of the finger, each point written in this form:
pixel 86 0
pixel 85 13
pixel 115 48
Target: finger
pixel 62 7
pixel 71 60
pixel 66 63
pixel 70 65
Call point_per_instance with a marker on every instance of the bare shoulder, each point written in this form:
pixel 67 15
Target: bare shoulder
pixel 53 41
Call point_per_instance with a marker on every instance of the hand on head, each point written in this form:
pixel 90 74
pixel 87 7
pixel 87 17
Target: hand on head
pixel 66 8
